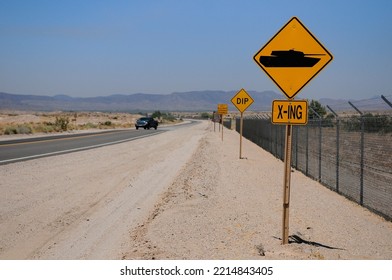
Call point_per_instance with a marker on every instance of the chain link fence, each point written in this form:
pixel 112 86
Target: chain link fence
pixel 350 155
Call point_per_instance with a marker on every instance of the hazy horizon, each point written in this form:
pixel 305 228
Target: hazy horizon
pixel 90 48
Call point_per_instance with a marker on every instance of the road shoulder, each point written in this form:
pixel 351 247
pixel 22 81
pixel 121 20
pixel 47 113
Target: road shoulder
pixel 223 207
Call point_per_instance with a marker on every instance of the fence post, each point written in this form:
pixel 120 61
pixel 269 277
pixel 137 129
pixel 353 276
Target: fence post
pixel 307 151
pixel 270 137
pixel 296 146
pixel 337 147
pixel 320 128
pixel 362 151
pixel 276 142
pixel 386 100
pixel 320 139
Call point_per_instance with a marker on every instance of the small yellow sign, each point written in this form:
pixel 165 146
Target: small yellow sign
pixel 292 57
pixel 242 100
pixel 222 109
pixel 294 112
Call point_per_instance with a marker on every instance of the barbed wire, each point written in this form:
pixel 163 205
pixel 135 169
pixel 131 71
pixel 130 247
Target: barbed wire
pixel 376 105
pixel 372 105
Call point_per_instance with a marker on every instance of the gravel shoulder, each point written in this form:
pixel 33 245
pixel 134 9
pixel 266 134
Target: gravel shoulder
pixel 83 205
pixel 223 207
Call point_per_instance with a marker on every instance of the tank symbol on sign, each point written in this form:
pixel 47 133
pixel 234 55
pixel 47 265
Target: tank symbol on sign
pixel 290 58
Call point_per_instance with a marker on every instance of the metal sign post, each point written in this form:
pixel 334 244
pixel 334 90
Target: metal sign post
pixel 286 184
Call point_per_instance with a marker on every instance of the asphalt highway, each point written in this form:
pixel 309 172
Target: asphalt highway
pixel 25 149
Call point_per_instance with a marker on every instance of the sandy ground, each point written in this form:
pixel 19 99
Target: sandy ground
pixel 188 196
pixel 223 207
pixel 83 205
pixel 15 117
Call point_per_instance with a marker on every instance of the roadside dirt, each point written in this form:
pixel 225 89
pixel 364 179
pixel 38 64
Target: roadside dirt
pixel 223 207
pixel 187 196
pixel 82 205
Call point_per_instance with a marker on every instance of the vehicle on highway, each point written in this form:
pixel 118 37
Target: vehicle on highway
pixel 146 123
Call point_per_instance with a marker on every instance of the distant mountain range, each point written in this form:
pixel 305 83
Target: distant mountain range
pixel 178 101
pixel 139 102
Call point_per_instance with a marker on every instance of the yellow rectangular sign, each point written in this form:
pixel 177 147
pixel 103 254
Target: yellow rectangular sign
pixel 294 112
pixel 222 109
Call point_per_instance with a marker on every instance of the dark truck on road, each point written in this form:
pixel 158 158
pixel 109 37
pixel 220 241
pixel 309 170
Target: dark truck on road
pixel 146 123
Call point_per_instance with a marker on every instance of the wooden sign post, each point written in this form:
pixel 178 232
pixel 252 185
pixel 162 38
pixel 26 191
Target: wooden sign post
pixel 242 100
pixel 222 110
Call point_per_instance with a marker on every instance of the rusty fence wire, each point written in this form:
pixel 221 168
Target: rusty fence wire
pixel 350 155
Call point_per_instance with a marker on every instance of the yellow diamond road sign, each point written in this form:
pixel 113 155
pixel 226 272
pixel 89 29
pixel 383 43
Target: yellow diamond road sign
pixel 242 100
pixel 292 57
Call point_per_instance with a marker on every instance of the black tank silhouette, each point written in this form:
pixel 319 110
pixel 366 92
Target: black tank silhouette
pixel 290 58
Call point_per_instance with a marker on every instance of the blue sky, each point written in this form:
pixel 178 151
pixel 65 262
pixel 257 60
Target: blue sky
pixel 97 48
